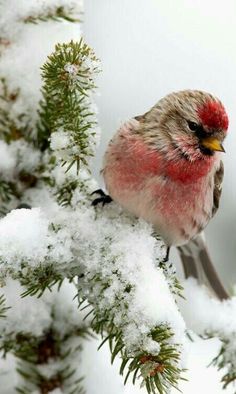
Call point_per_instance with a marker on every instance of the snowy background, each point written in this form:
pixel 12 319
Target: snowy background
pixel 150 48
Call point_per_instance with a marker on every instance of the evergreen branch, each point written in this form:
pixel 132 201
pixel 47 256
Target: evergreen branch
pixel 32 352
pixel 3 308
pixel 39 279
pixel 120 309
pixel 65 112
pixel 9 127
pixel 65 193
pixel 47 360
pixel 7 191
pixel 58 14
pixel 225 360
pixel 170 273
pixel 158 372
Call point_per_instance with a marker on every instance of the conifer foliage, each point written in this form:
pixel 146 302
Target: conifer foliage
pixel 57 251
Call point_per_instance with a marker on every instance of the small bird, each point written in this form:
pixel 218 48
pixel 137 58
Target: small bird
pixel 165 167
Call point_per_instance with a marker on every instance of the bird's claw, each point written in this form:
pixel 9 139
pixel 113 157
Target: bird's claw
pixel 167 254
pixel 104 198
pixel 98 191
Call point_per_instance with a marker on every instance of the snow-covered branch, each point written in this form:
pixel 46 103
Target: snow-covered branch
pixel 46 336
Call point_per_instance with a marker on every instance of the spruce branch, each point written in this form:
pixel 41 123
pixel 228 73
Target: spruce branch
pixel 39 279
pixel 11 128
pixel 149 351
pixel 3 307
pixel 35 353
pixel 225 359
pixel 100 247
pixel 158 372
pixel 65 112
pixel 47 353
pixel 57 14
pixel 7 191
pixel 65 192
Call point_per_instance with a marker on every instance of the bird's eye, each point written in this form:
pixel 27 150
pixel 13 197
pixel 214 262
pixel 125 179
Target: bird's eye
pixel 193 126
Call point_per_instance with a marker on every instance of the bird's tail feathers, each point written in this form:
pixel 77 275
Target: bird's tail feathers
pixel 198 264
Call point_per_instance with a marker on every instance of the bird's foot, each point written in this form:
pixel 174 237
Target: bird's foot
pixel 104 198
pixel 167 254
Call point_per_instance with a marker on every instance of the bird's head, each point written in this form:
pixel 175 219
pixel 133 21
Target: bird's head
pixel 191 122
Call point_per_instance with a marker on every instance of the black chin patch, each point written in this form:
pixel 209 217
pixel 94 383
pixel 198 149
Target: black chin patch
pixel 206 151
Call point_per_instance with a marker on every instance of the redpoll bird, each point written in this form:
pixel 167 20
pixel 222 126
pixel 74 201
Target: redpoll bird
pixel 165 167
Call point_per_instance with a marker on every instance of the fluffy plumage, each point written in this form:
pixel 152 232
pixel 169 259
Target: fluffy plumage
pixel 165 166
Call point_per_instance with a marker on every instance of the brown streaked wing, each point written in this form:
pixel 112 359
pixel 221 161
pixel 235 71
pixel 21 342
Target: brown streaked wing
pixel 218 178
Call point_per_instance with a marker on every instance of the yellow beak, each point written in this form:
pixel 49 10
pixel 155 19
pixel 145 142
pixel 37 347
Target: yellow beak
pixel 212 143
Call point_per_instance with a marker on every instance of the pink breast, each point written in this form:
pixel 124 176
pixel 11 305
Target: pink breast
pixel 185 171
pixel 129 163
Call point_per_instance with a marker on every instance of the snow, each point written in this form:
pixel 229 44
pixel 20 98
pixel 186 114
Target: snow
pixel 17 157
pixel 53 312
pixel 59 140
pixel 207 314
pixel 100 377
pixel 112 245
pixel 30 45
pixel 103 243
pixel 15 14
pixel 23 235
pixel 121 253
pixel 8 160
pixel 103 378
pixel 28 315
pixel 28 158
pixel 72 69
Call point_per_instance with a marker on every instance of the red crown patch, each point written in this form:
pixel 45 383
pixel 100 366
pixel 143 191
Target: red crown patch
pixel 214 116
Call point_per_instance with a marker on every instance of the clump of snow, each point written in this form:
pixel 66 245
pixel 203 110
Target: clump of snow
pixel 62 145
pixel 16 157
pixel 28 158
pixel 60 140
pixel 120 258
pixel 23 235
pixel 8 160
pixel 27 315
pixel 71 69
pixel 207 314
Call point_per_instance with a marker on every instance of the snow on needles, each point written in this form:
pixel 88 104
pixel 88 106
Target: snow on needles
pixel 23 235
pixel 106 244
pixel 55 313
pixel 28 315
pixel 123 255
pixel 31 315
pixel 27 46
